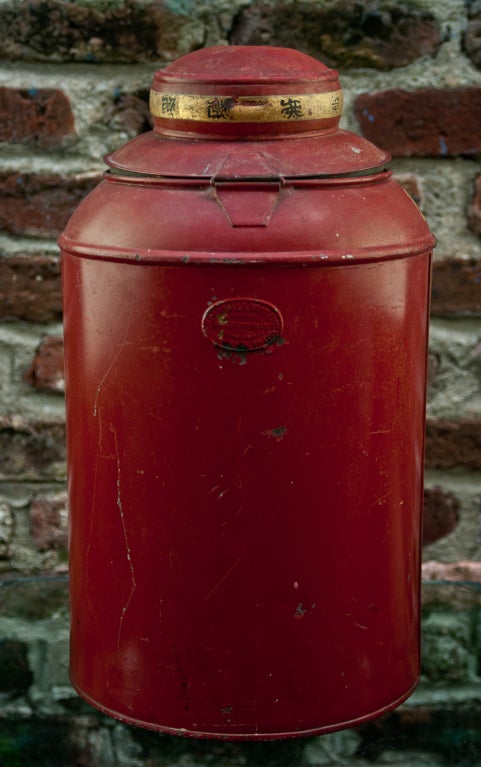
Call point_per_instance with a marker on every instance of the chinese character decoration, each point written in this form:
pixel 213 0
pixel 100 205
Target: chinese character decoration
pixel 335 104
pixel 291 108
pixel 219 108
pixel 168 105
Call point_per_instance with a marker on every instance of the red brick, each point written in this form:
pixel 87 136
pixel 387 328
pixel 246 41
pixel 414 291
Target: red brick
pixel 436 122
pixel 32 204
pixel 450 444
pixel 376 34
pixel 441 514
pixel 130 112
pixel 48 521
pixel 474 214
pixel 30 288
pixel 31 450
pixel 38 116
pixel 133 31
pixel 46 372
pixel 456 286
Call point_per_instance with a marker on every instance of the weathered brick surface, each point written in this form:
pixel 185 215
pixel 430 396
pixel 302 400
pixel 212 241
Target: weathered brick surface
pixel 445 646
pixel 32 204
pixel 31 450
pixel 345 34
pixel 436 122
pixel 15 674
pixel 474 214
pixel 48 520
pixel 454 585
pixel 43 741
pixel 47 369
pixel 33 598
pixel 453 443
pixel 40 116
pixel 7 530
pixel 472 36
pixel 132 31
pixel 441 514
pixel 30 288
pixel 413 187
pixel 434 365
pixel 456 286
pixel 130 112
pixel 453 571
pixel 450 731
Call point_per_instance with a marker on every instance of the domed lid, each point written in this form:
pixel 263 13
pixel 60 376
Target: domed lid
pixel 247 112
pixel 245 91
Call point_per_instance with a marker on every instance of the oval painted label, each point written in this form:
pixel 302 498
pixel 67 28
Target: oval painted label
pixel 242 324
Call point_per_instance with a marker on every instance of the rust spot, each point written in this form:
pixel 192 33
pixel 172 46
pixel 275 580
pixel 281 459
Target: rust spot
pixel 278 433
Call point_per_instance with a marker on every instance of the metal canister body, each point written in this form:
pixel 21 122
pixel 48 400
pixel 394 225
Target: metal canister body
pixel 245 375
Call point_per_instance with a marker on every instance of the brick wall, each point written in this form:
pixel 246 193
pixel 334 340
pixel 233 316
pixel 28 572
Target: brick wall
pixel 74 79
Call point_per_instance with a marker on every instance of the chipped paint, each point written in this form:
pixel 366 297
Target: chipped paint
pixel 300 612
pixel 277 432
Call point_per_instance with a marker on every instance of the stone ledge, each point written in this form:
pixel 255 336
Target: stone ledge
pixel 456 585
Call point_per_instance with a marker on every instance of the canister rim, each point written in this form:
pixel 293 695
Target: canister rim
pixel 320 258
pixel 321 154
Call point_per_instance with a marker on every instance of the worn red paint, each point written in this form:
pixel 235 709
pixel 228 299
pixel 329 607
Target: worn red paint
pixel 245 537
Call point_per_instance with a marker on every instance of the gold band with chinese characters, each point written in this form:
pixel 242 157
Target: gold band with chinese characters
pixel 246 109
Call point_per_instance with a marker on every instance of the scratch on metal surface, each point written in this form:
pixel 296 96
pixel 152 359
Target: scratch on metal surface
pixel 379 501
pixel 360 626
pixel 229 521
pixel 122 346
pixel 261 518
pixel 219 491
pixel 91 535
pixel 226 575
pixel 126 538
pixel 104 378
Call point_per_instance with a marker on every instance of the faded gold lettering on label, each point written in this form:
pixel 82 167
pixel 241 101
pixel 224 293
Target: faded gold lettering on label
pixel 246 109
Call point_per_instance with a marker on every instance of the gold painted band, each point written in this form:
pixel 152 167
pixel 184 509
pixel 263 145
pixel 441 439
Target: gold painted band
pixel 246 109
